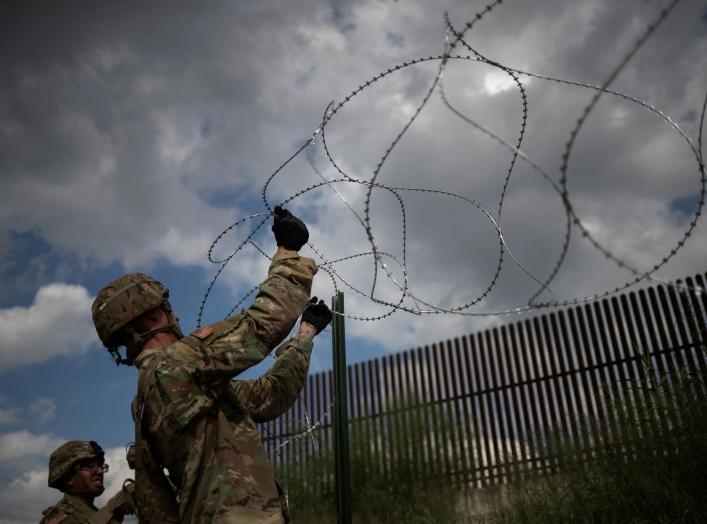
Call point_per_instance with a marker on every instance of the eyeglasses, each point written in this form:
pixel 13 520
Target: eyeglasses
pixel 90 466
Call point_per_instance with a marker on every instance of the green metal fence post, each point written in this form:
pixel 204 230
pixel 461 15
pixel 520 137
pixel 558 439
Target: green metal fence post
pixel 341 416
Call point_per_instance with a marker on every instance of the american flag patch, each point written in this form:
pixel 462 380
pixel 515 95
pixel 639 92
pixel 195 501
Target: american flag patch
pixel 202 332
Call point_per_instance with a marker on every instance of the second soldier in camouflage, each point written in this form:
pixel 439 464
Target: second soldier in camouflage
pixel 76 468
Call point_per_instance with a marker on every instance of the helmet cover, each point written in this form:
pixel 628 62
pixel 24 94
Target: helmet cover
pixel 63 458
pixel 122 301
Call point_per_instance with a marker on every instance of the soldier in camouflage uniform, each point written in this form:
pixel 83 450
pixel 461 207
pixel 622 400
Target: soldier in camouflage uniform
pixel 76 468
pixel 199 423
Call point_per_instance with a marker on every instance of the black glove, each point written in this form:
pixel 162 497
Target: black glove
pixel 290 231
pixel 317 314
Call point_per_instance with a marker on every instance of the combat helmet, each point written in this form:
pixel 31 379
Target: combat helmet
pixel 63 458
pixel 122 301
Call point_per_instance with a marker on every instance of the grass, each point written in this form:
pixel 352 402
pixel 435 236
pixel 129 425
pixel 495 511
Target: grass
pixel 386 476
pixel 649 466
pixel 639 476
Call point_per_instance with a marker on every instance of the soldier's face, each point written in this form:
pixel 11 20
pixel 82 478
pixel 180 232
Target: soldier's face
pixel 86 480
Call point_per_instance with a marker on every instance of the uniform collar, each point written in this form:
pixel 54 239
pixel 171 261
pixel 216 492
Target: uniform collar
pixel 146 356
pixel 78 502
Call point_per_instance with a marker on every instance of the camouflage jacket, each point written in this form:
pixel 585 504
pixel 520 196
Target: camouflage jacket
pixel 201 425
pixel 70 510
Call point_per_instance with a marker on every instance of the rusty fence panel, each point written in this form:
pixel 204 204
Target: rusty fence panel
pixel 511 401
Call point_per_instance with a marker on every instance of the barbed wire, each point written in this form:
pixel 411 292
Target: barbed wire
pixel 408 300
pixel 560 188
pixel 304 421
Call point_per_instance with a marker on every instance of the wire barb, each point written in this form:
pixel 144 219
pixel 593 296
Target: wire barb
pixel 395 268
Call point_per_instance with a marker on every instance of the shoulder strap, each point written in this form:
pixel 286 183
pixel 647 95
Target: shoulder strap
pixel 136 409
pixel 154 497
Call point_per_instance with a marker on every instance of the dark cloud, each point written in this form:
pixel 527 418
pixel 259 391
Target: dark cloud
pixel 132 133
pixel 136 132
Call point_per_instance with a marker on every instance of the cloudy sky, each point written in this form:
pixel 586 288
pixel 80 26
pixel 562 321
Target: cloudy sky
pixel 132 134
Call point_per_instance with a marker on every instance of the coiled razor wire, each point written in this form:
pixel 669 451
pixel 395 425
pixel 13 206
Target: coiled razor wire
pixel 382 261
pixel 455 39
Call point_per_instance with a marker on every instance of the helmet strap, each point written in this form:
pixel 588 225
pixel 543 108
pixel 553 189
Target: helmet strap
pixel 116 356
pixel 134 341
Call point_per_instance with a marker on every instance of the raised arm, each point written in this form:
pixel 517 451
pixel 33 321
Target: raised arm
pixel 223 350
pixel 271 395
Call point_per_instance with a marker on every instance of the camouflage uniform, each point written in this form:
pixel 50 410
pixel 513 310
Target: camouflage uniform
pixel 72 509
pixel 201 425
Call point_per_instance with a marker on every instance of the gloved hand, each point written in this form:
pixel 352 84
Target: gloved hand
pixel 290 231
pixel 115 509
pixel 128 494
pixel 317 314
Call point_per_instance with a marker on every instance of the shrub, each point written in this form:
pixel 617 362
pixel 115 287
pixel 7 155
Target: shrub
pixel 391 479
pixel 637 475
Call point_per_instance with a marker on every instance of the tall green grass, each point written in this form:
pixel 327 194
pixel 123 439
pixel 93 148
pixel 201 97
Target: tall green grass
pixel 648 466
pixel 394 478
pixel 651 466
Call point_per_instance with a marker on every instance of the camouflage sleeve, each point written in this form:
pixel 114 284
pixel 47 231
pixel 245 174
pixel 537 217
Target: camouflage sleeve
pixel 116 508
pixel 282 297
pixel 240 342
pixel 55 518
pixel 60 518
pixel 70 519
pixel 269 396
